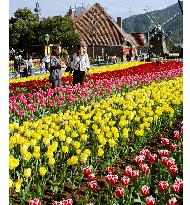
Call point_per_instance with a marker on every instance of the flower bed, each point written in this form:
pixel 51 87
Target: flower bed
pixel 93 70
pixel 48 155
pixel 42 83
pixel 36 64
pixel 30 106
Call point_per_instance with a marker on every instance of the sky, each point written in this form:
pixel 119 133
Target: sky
pixel 115 8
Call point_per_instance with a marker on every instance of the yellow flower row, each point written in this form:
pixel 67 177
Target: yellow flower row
pixel 92 130
pixel 92 70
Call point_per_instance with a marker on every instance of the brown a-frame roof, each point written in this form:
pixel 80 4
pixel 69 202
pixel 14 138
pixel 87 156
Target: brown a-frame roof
pixel 97 27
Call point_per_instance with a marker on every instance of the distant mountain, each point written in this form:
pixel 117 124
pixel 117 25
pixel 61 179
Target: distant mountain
pixel 141 23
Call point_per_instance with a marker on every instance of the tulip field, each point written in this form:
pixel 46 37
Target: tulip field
pixel 115 140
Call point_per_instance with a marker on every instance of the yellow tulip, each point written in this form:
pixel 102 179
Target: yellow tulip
pixel 65 149
pixel 111 142
pixel 51 161
pixel 42 171
pixel 27 172
pixel 100 152
pixel 84 137
pixel 76 144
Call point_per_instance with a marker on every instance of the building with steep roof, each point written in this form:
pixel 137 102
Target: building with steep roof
pixel 102 35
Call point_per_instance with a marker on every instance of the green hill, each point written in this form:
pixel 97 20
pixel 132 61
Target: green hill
pixel 141 23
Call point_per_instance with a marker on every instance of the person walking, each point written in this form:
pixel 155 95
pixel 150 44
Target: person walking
pixel 30 66
pixel 42 66
pixel 16 63
pixel 46 60
pixel 55 67
pixel 67 61
pixel 80 64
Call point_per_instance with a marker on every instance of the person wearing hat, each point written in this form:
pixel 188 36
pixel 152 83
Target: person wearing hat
pixel 80 64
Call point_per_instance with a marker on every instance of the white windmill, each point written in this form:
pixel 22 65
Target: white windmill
pixel 157 36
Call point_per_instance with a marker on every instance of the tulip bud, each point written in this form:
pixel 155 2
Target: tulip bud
pixel 27 172
pixel 175 188
pixel 150 200
pixel 139 159
pixel 91 177
pixel 145 190
pixel 86 171
pixel 173 169
pixel 119 191
pixel 93 185
pixel 172 201
pixel 163 186
pixel 152 158
pixel 42 171
pixel 110 170
pixel 165 141
pixel 134 174
pixel 125 181
pixel 176 135
pixel 34 202
pixel 173 147
pixel 144 168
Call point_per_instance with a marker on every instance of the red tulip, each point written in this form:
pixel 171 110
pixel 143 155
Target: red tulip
pixel 150 200
pixel 179 182
pixel 163 153
pixel 128 171
pixel 110 170
pixel 86 171
pixel 134 174
pixel 125 181
pixel 34 202
pixel 165 141
pixel 119 191
pixel 144 168
pixel 91 177
pixel 152 158
pixel 139 159
pixel 172 201
pixel 93 185
pixel 145 190
pixel 173 147
pixel 164 160
pixel 176 135
pixel 175 188
pixel 170 162
pixel 111 178
pixel 173 169
pixel 163 186
pixel 145 152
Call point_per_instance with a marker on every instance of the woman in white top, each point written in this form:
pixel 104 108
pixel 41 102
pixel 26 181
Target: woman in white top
pixel 79 65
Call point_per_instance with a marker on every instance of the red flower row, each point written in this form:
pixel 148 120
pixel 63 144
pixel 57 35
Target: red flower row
pixel 144 70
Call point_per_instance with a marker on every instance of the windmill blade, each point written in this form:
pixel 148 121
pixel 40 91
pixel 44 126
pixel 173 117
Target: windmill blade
pixel 169 38
pixel 170 19
pixel 155 23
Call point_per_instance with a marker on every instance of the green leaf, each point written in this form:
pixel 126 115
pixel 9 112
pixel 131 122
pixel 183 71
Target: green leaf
pixel 137 200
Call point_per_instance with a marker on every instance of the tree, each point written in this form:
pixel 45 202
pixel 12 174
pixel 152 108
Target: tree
pixel 22 27
pixel 25 29
pixel 60 29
